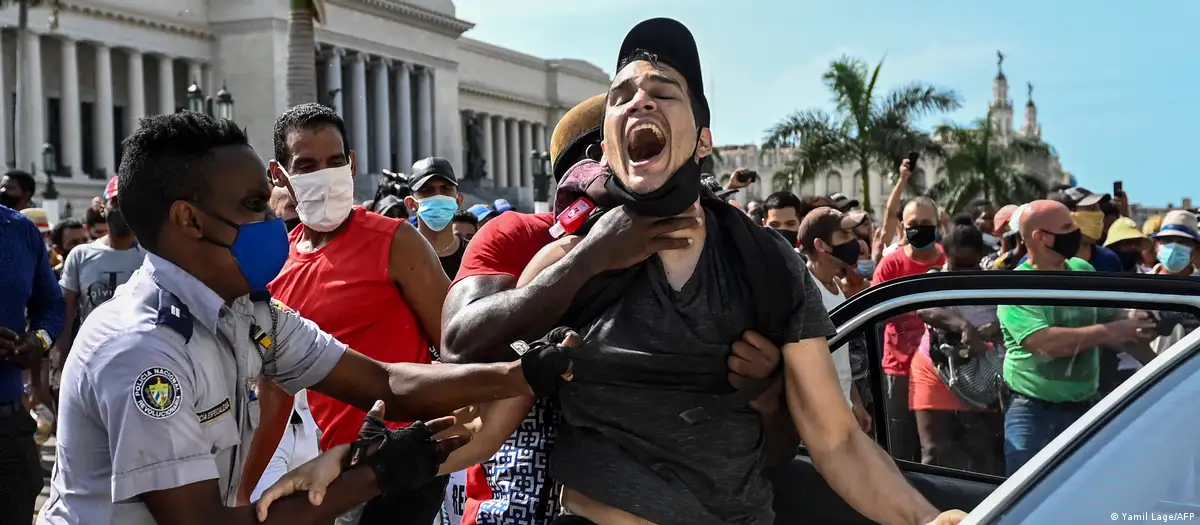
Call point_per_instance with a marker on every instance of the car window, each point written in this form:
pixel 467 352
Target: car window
pixel 1144 465
pixel 983 387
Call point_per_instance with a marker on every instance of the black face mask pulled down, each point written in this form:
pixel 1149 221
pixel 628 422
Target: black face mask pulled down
pixel 673 198
pixel 8 200
pixel 791 236
pixel 1067 244
pixel 117 227
pixel 847 252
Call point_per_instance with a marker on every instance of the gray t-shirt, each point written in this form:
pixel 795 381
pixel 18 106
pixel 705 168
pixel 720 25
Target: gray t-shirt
pixel 95 270
pixel 623 443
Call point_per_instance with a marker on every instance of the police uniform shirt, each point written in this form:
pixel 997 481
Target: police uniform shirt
pixel 157 393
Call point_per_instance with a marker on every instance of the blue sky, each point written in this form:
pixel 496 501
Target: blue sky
pixel 1116 83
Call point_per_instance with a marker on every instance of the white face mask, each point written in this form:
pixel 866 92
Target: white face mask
pixel 323 198
pixel 991 240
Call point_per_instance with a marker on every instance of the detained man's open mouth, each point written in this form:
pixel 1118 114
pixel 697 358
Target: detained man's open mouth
pixel 646 150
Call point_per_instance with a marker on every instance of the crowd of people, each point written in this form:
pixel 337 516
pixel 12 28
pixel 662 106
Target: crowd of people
pixel 210 341
pixel 1029 371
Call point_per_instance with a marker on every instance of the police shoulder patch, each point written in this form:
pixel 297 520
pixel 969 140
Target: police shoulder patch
pixel 157 392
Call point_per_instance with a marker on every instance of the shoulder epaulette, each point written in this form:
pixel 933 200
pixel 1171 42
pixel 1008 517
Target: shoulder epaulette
pixel 174 314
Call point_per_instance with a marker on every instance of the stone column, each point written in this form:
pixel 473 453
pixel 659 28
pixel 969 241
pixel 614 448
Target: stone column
pixel 501 148
pixel 105 146
pixel 425 113
pixel 32 107
pixel 489 152
pixel 166 85
pixel 514 152
pixel 360 141
pixel 383 115
pixel 137 91
pixel 539 137
pixel 333 80
pixel 70 148
pixel 404 118
pixel 526 147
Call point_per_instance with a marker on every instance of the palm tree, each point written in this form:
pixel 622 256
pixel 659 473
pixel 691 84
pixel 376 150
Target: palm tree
pixel 863 129
pixel 981 163
pixel 301 59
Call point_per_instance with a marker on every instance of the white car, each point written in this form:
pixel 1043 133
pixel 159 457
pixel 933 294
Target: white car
pixel 1134 456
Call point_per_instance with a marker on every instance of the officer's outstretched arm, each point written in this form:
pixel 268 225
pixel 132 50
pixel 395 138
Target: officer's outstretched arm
pixel 303 356
pixel 417 391
pixel 200 503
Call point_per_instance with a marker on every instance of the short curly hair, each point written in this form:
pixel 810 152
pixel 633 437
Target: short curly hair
pixel 23 179
pixel 164 161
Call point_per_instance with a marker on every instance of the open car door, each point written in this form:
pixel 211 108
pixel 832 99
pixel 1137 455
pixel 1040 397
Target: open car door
pixel 801 494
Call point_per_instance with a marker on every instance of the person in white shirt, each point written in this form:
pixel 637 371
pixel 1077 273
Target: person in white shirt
pixel 298 445
pixel 827 239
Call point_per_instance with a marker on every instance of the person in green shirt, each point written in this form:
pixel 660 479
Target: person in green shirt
pixel 1052 362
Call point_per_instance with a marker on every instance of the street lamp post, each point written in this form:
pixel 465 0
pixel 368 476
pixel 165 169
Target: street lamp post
pixel 50 193
pixel 195 98
pixel 220 106
pixel 224 104
pixel 541 181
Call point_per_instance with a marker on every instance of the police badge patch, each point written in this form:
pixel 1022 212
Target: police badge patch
pixel 156 392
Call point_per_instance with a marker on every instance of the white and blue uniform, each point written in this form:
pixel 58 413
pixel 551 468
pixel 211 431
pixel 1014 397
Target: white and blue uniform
pixel 157 393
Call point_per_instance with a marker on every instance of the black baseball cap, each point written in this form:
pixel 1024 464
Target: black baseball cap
pixel 842 202
pixel 426 169
pixel 1077 196
pixel 673 45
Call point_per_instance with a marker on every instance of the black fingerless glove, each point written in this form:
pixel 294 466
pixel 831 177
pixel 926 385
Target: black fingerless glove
pixel 544 361
pixel 407 458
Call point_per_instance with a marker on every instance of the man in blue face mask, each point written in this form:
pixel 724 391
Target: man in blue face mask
pixel 170 362
pixel 435 200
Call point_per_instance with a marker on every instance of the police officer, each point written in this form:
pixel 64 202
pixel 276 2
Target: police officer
pixel 157 408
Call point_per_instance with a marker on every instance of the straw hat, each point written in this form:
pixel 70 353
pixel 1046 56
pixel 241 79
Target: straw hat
pixel 39 217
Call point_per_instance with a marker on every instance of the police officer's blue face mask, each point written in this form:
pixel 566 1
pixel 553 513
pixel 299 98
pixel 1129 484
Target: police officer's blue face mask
pixel 260 249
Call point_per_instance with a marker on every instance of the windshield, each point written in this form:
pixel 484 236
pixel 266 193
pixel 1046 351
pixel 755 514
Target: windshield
pixel 1143 466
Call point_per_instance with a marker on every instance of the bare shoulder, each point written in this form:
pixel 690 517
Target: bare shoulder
pixel 407 238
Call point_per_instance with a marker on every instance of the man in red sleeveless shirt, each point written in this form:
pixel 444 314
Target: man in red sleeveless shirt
pixel 372 282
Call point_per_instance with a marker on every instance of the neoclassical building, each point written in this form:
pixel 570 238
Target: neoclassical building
pixel 846 179
pixel 401 73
